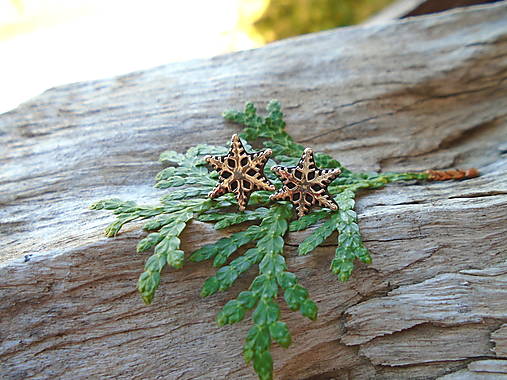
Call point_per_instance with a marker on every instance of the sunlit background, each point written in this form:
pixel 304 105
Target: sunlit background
pixel 45 43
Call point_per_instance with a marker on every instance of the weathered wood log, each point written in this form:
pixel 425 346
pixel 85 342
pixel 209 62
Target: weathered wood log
pixel 421 93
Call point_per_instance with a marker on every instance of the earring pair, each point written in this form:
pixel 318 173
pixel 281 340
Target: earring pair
pixel 241 173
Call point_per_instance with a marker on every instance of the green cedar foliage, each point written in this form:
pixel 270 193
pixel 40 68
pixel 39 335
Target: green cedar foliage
pixel 260 244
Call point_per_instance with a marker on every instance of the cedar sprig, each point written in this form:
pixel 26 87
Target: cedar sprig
pixel 261 243
pixel 169 219
pixel 262 295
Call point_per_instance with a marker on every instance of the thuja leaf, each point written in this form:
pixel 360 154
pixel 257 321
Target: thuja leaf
pixel 193 157
pixel 226 275
pixel 171 156
pixel 225 247
pixel 308 220
pixel 166 252
pixel 280 333
pixel 350 244
pixel 272 228
pixel 159 222
pixel 149 242
pixel 260 198
pixel 224 220
pixel 309 309
pixel 126 212
pixel 294 296
pixel 189 192
pixel 108 204
pixel 114 227
pixel 187 183
pixel 318 236
pixel 272 130
pixel 177 181
pixel 267 312
pixel 262 294
pixel 189 169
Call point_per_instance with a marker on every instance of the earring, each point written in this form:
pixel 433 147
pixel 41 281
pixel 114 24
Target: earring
pixel 305 185
pixel 240 172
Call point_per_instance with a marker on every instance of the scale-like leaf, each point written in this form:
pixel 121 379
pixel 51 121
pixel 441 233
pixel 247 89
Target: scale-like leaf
pixel 187 183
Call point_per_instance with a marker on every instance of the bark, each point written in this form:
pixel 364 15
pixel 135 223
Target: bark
pixel 422 93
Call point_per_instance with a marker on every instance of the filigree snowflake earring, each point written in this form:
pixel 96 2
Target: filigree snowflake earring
pixel 240 172
pixel 305 185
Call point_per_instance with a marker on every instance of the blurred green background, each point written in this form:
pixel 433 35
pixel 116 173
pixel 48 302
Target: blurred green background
pixel 287 18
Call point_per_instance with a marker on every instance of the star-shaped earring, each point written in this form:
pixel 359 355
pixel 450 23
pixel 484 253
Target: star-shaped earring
pixel 240 172
pixel 305 185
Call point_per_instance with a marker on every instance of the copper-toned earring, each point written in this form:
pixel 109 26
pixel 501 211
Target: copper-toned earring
pixel 240 172
pixel 305 185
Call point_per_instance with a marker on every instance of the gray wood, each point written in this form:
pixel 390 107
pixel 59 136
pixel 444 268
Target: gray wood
pixel 480 370
pixel 499 339
pixel 492 366
pixel 422 93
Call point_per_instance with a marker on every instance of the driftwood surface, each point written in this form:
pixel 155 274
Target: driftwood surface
pixel 427 92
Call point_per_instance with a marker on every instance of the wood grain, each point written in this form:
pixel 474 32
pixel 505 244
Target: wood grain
pixel 423 93
pixel 480 369
pixel 499 339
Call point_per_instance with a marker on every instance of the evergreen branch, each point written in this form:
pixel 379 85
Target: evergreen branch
pixel 190 169
pixel 318 236
pixel 272 130
pixel 166 241
pixel 167 252
pixel 224 220
pixel 225 247
pixel 126 212
pixel 350 243
pixel 189 182
pixel 226 275
pixel 260 198
pixel 189 192
pixel 263 292
pixel 193 157
pixel 171 217
pixel 308 220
